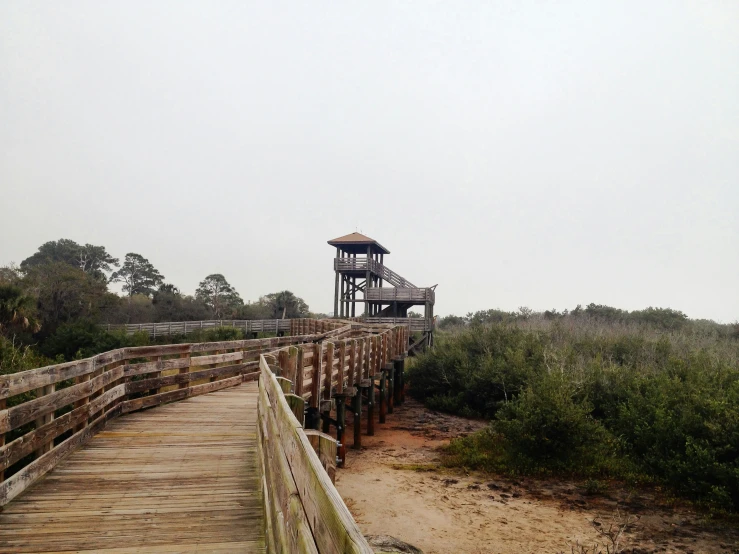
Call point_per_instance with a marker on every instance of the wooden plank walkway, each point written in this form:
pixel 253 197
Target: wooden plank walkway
pixel 178 478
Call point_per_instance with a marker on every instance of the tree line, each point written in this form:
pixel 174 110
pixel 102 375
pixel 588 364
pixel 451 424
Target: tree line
pixel 62 289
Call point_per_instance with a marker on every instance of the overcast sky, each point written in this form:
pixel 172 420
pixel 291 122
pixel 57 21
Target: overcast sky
pixel 516 153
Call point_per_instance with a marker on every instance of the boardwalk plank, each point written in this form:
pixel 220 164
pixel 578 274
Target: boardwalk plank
pixel 177 478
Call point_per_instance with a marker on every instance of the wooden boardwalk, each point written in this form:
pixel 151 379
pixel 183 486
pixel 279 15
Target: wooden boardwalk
pixel 178 478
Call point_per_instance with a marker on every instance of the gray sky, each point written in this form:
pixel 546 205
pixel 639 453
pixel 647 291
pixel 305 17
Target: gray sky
pixel 516 153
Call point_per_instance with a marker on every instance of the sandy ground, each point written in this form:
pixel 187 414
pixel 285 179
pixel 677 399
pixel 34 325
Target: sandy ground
pixel 394 486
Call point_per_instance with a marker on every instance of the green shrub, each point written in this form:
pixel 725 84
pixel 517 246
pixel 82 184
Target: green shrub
pixel 550 427
pixel 595 399
pixel 82 339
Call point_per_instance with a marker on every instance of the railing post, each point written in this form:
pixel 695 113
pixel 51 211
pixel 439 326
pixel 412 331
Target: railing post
pixel 44 419
pixel 3 403
pixel 86 399
pixel 326 396
pixel 184 384
pixel 313 417
pixel 299 371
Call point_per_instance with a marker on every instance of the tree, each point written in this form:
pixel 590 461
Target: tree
pixel 93 260
pixel 63 293
pixel 255 310
pixel 218 295
pixel 285 304
pixel 450 321
pixel 170 305
pixel 10 274
pixel 167 288
pixel 138 275
pixel 17 311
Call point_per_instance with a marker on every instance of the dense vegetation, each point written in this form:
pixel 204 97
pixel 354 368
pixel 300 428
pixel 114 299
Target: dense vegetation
pixel 597 392
pixel 52 304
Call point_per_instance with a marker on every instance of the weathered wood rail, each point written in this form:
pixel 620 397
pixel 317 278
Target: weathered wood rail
pixel 170 328
pixel 391 294
pixel 308 380
pixel 291 326
pixel 368 264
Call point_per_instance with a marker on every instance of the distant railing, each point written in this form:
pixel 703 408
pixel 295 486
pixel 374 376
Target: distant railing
pixel 392 294
pixel 169 328
pixel 415 323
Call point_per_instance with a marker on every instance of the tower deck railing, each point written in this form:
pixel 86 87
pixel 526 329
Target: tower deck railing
pixel 393 294
pixel 368 264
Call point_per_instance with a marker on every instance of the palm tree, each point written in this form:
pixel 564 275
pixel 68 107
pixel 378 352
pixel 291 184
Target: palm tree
pixel 17 310
pixel 286 304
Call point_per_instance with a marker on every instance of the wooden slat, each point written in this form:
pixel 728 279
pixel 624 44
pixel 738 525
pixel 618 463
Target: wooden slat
pixel 140 485
pixel 18 383
pixel 332 525
pixel 28 411
pixel 287 514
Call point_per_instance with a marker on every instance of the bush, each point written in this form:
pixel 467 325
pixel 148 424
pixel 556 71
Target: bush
pixel 82 339
pixel 15 357
pixel 594 398
pixel 550 427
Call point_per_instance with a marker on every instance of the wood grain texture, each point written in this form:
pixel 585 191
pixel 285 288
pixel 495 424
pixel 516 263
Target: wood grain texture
pixel 178 478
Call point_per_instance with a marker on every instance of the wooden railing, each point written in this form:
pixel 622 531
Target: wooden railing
pixel 368 264
pixel 46 413
pixel 49 412
pixel 297 462
pixel 392 294
pixel 414 323
pixel 170 328
pixel 303 510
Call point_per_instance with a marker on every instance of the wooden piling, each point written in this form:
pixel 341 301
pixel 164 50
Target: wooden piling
pixel 357 408
pixel 398 369
pixel 391 391
pixel 383 397
pixel 340 427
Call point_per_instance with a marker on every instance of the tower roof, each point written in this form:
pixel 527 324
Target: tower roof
pixel 356 240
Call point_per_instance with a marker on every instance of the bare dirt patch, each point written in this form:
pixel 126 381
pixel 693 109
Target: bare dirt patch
pixel 395 486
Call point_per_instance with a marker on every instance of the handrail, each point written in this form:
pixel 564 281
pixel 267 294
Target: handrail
pixel 414 323
pixel 42 407
pixel 368 264
pixel 303 510
pixel 394 294
pixel 169 328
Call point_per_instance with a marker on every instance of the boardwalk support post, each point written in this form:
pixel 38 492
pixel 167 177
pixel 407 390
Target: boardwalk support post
pixel 391 390
pixel 371 410
pixel 340 427
pixel 357 408
pixel 398 369
pixel 383 396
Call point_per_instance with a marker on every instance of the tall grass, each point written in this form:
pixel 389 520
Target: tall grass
pixel 578 395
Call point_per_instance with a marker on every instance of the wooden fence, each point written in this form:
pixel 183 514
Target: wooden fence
pixel 291 326
pixel 392 294
pixel 169 328
pixel 303 510
pixel 48 412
